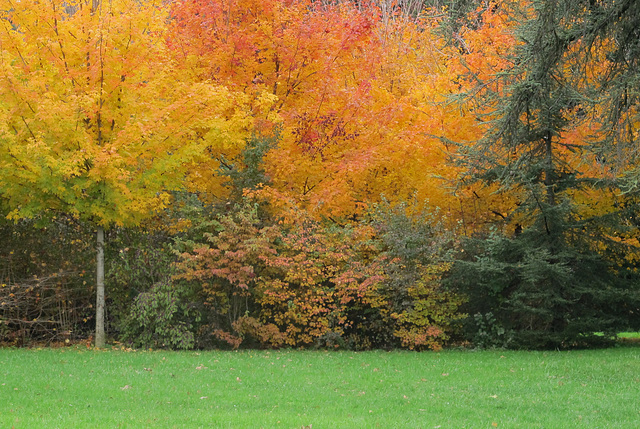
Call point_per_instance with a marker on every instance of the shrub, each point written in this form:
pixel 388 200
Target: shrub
pixel 303 283
pixel 427 321
pixel 488 333
pixel 226 268
pixel 255 333
pixel 138 258
pixel 414 252
pixel 163 317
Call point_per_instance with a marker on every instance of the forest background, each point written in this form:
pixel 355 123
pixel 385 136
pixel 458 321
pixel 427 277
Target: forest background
pixel 319 174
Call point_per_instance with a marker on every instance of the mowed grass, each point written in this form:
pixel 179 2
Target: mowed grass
pixel 81 388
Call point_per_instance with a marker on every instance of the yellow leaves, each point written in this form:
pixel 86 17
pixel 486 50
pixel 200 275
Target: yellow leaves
pixel 99 122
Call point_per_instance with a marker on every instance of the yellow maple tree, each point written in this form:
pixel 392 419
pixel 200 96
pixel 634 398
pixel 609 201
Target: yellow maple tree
pixel 95 122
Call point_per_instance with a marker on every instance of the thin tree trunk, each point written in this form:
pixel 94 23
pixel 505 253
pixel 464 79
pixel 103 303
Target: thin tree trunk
pixel 99 341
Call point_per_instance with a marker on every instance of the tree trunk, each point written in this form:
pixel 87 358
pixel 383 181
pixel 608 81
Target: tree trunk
pixel 99 341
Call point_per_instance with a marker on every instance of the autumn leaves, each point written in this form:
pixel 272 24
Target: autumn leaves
pixel 107 106
pixel 357 99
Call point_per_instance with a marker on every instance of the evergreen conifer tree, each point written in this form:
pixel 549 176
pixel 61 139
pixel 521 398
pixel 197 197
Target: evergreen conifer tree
pixel 558 280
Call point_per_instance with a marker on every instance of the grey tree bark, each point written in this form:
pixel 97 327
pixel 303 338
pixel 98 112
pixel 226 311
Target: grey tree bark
pixel 100 304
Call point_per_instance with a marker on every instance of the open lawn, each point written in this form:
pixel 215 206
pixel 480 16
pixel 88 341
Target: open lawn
pixel 81 388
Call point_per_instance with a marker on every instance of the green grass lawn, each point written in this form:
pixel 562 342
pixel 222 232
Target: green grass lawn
pixel 76 388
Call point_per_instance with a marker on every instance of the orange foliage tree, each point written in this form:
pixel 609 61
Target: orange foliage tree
pixel 358 94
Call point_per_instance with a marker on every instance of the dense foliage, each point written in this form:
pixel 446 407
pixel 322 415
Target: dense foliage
pixel 297 173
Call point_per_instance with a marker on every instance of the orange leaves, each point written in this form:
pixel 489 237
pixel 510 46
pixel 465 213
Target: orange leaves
pixel 358 99
pixel 298 294
pixel 485 51
pixel 228 261
pixel 330 75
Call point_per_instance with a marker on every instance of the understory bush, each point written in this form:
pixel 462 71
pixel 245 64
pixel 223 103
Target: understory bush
pixel 137 259
pixel 487 333
pixel 163 317
pixel 302 283
pixel 415 250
